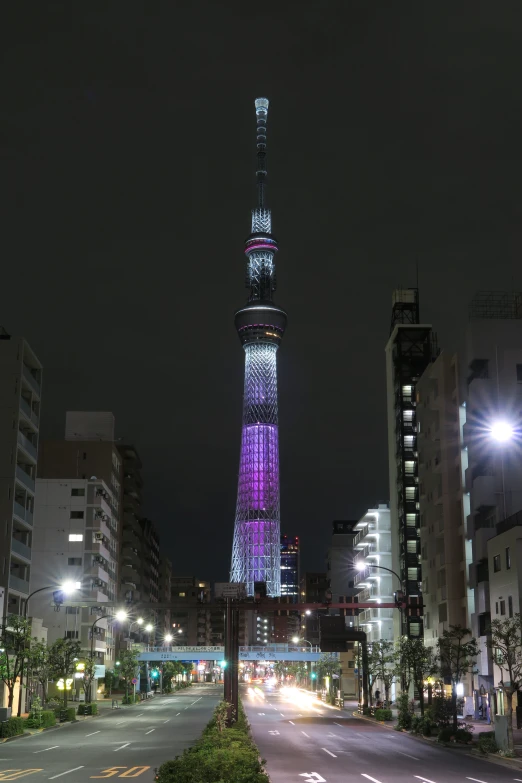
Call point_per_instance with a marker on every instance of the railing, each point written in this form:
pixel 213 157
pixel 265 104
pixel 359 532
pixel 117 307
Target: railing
pixel 18 584
pixel 19 510
pixel 26 444
pixel 269 648
pixel 25 478
pixel 31 380
pixel 20 548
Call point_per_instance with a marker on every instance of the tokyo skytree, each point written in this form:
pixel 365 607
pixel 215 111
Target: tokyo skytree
pixel 260 325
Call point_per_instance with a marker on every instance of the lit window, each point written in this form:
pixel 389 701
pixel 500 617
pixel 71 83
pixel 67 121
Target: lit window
pixel 75 536
pixel 182 595
pixel 508 558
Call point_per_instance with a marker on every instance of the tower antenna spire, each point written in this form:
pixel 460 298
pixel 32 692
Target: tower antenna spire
pixel 262 115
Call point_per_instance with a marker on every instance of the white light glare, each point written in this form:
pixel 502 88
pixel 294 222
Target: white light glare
pixel 121 615
pixel 360 565
pixel 70 587
pixel 501 431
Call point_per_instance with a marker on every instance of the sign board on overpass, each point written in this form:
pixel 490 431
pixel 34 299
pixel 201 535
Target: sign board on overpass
pixel 277 652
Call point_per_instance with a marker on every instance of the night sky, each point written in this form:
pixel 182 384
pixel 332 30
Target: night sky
pixel 127 166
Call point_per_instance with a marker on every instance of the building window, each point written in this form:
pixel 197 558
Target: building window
pixel 78 492
pixel 77 514
pixel 74 561
pixel 496 564
pixel 72 610
pixel 182 595
pixel 519 373
pixel 75 536
pixel 508 558
pixel 496 607
pixel 510 605
pixel 502 608
pixel 71 634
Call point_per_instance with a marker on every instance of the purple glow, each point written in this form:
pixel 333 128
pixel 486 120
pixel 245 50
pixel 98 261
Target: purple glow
pixel 258 488
pixel 263 246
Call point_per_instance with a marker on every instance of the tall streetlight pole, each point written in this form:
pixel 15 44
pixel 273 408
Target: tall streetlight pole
pixel 361 565
pixel 120 616
pixel 66 587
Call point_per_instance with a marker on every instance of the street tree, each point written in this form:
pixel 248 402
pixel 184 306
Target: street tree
pixel 328 666
pixel 382 659
pixel 129 667
pixel 89 672
pixel 423 664
pixel 457 654
pixel 298 671
pixel 109 680
pixel 280 669
pixel 403 667
pixel 506 644
pixel 39 666
pixel 15 640
pixel 63 656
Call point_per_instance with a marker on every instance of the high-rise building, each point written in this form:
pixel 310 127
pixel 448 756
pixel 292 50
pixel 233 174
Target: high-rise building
pixel 260 325
pixel 372 547
pixel 408 353
pixel 290 567
pixel 76 539
pixel 340 563
pixel 20 395
pixel 445 557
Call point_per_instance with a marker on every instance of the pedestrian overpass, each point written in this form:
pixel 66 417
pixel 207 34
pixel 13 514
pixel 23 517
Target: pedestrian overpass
pixel 269 652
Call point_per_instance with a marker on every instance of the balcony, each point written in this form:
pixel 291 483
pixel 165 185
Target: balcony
pixel 28 413
pixel 27 446
pixel 19 510
pixel 25 478
pixel 20 585
pixel 20 549
pixel 31 380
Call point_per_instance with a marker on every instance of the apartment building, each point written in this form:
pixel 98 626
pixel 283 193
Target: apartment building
pixel 409 350
pixel 445 550
pixel 20 400
pixel 340 563
pixel 76 539
pixel 372 556
pixel 290 567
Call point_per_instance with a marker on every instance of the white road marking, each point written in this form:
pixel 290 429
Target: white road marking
pixel 477 780
pixel 92 733
pixel 427 780
pixel 339 724
pixel 306 735
pixel 260 713
pixel 66 773
pixel 43 751
pixel 149 732
pixel 329 752
pixel 119 722
pixel 370 777
pixel 281 714
pixel 139 715
pixel 178 713
pixel 292 722
pixel 166 721
pixel 273 732
pixel 197 700
pixel 122 746
pixel 407 754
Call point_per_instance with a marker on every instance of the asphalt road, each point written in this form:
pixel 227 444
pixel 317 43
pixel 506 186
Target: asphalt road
pixel 307 742
pixel 125 743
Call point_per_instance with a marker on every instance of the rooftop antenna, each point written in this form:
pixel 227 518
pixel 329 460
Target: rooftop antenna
pixel 262 114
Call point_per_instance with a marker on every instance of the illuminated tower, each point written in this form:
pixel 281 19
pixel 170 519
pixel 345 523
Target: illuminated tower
pixel 260 325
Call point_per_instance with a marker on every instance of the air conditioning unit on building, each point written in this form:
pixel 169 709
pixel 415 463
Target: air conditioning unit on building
pixel 98 536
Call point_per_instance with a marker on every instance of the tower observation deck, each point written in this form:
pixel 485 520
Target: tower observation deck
pixel 260 325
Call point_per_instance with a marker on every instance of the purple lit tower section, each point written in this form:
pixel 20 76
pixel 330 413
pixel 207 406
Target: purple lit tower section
pixel 260 326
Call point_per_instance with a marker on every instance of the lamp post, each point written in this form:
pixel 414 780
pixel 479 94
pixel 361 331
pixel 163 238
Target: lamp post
pixel 66 587
pixel 120 616
pixel 296 640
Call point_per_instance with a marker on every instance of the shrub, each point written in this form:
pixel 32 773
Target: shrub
pixel 463 735
pixel 487 743
pixel 70 713
pixel 383 714
pixel 404 714
pixel 48 719
pixel 445 734
pixel 440 712
pixel 137 698
pixel 12 727
pixel 87 709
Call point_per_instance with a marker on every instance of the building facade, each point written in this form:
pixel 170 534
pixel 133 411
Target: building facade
pixel 313 589
pixel 340 563
pixel 260 325
pixel 290 568
pixel 20 400
pixel 408 352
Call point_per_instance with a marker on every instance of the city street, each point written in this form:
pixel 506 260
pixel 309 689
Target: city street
pixel 125 743
pixel 305 740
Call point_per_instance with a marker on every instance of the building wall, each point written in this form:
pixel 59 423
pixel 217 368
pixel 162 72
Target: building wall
pixel 76 539
pixel 20 399
pixel 290 567
pixel 443 539
pixel 312 589
pixel 340 565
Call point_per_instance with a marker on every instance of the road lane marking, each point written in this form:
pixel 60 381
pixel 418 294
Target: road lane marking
pixel 94 732
pixel 15 774
pixel 178 713
pixel 43 751
pixel 197 700
pixel 122 746
pixel 427 780
pixel 339 724
pixel 149 732
pixel 281 714
pixel 66 772
pixel 166 721
pixel 261 713
pixel 477 780
pixel 329 752
pixel 306 735
pixel 370 777
pixel 407 754
pixel 140 714
pixel 292 722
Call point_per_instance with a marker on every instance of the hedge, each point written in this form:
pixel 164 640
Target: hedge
pixel 87 709
pixel 11 727
pixel 383 714
pixel 229 754
pixel 48 719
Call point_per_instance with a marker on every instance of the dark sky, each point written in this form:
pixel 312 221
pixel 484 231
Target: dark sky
pixel 127 149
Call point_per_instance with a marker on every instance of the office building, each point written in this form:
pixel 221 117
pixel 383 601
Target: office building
pixel 290 567
pixel 340 564
pixel 20 398
pixel 260 325
pixel 408 352
pixel 373 580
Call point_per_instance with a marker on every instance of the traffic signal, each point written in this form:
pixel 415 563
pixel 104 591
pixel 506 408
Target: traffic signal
pixel 313 675
pixel 223 664
pixel 154 673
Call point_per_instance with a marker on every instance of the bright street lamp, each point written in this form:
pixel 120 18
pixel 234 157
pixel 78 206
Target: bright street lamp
pixel 297 640
pixel 361 565
pixel 149 628
pixel 168 637
pixel 501 431
pixel 121 616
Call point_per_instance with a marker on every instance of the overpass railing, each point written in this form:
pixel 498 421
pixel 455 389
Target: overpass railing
pixel 280 648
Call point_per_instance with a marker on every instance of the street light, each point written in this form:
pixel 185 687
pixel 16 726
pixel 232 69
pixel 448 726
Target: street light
pixel 67 587
pixel 361 565
pixel 296 640
pixel 168 638
pixel 502 432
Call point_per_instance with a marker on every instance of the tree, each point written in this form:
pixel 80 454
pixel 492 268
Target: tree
pixel 110 680
pixel 506 644
pixel 328 666
pixel 63 655
pixel 89 671
pixel 423 665
pixel 169 672
pixel 298 670
pixel 456 659
pixel 39 665
pixel 15 639
pixel 403 669
pixel 279 669
pixel 129 667
pixel 382 658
